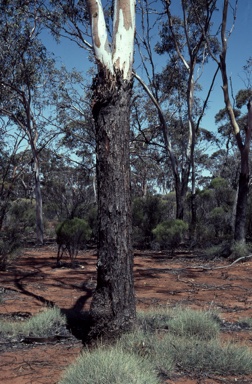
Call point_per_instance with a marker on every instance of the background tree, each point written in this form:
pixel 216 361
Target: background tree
pixel 26 84
pixel 174 90
pixel 243 139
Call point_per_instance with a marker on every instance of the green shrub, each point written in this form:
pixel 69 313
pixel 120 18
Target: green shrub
pixel 72 234
pixel 147 212
pixel 170 233
pixel 110 366
pixel 239 249
pixel 10 247
pixel 22 216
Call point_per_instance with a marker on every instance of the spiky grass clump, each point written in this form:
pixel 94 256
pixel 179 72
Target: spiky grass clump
pixel 164 339
pixel 146 344
pixel 43 324
pixel 205 356
pixel 181 321
pixel 156 319
pixel 197 324
pixel 110 366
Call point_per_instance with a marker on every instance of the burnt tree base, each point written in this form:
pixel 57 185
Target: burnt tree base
pixel 112 309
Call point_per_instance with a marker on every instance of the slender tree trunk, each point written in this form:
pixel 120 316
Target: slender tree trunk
pixel 113 306
pixel 241 208
pixel 193 202
pixel 38 201
pixel 181 187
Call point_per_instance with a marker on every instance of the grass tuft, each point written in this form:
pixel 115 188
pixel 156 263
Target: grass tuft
pixel 197 324
pixel 110 366
pixel 206 356
pixel 43 324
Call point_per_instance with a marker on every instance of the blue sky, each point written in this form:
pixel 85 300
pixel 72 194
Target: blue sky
pixel 239 51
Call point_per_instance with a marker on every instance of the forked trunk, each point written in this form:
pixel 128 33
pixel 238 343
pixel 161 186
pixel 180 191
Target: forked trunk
pixel 113 306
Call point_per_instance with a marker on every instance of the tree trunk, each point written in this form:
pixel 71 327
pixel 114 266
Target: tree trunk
pixel 38 200
pixel 181 186
pixel 113 306
pixel 241 208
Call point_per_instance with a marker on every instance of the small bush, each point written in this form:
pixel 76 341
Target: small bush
pixel 170 233
pixel 147 212
pixel 110 366
pixel 71 234
pixel 239 249
pixel 10 248
pixel 22 216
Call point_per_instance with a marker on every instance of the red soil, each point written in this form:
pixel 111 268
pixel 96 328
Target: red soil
pixel 33 282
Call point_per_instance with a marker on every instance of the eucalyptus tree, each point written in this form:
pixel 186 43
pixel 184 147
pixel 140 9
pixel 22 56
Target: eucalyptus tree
pixel 10 169
pixel 26 84
pixel 113 306
pixel 175 88
pixel 243 137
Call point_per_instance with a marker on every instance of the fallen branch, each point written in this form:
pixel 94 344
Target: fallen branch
pixel 222 267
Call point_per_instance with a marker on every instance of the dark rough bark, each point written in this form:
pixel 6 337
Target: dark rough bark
pixel 193 216
pixel 241 208
pixel 113 306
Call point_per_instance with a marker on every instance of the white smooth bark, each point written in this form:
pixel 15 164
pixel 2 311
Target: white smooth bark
pixel 101 45
pixel 123 36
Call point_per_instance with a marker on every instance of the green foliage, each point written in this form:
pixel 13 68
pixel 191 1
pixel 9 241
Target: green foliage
pixel 217 219
pixel 10 248
pixel 71 234
pixel 146 214
pixel 44 324
pixel 170 233
pixel 110 366
pixel 239 249
pixel 21 216
pixel 214 211
pixel 243 97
